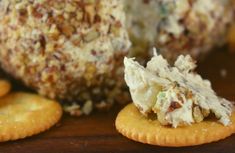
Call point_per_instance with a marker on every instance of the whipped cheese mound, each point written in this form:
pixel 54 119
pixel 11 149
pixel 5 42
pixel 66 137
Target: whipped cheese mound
pixel 177 94
pixel 175 26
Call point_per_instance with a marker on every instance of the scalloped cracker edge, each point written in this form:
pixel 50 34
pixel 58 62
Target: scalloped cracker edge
pixel 133 125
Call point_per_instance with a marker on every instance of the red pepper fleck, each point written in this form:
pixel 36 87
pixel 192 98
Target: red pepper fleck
pixel 174 105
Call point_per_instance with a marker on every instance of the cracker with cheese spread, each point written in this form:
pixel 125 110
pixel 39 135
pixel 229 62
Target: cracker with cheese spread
pixel 171 101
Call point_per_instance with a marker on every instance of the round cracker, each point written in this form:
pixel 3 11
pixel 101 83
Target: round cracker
pixel 132 124
pixel 5 87
pixel 24 114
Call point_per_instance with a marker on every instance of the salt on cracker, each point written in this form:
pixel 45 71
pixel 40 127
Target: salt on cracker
pixel 132 124
pixel 5 87
pixel 23 115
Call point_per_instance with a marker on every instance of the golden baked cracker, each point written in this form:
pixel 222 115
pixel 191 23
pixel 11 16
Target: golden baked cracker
pixel 132 124
pixel 5 87
pixel 24 114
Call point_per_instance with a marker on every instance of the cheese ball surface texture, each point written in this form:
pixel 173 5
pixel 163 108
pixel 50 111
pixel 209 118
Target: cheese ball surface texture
pixel 64 49
pixel 177 26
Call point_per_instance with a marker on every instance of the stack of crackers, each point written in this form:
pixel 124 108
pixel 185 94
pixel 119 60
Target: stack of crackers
pixel 24 114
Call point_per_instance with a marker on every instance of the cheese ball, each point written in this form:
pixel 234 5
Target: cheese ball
pixel 71 50
pixel 177 26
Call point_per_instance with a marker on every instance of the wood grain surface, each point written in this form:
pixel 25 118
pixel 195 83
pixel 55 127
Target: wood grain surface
pixel 96 133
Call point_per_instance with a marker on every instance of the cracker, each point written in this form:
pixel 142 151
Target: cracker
pixel 132 124
pixel 24 114
pixel 5 87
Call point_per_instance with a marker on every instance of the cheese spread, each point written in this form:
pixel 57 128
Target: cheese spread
pixel 177 94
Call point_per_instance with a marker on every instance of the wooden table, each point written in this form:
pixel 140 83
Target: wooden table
pixel 96 133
